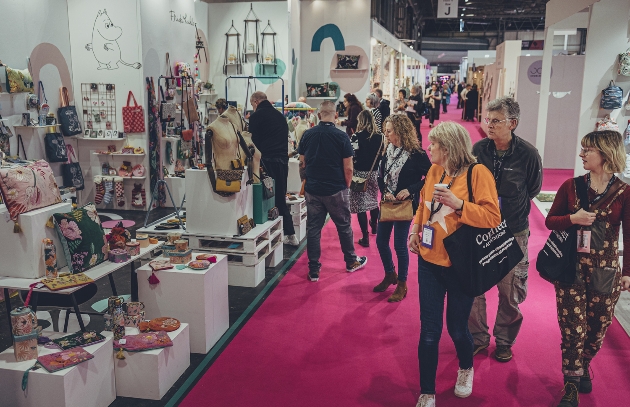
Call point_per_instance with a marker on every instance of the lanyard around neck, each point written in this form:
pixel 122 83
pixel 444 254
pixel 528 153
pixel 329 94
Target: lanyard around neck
pixel 433 209
pixel 599 196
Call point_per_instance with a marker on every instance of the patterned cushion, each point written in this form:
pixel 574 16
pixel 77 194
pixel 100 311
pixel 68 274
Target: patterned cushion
pixel 25 188
pixel 347 61
pixel 82 238
pixel 317 89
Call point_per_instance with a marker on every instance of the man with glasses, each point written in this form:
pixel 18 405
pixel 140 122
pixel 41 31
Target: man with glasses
pixel 517 169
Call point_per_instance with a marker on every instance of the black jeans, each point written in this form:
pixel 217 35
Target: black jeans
pixel 458 306
pixel 444 105
pixel 278 169
pixel 434 113
pixel 363 219
pixel 317 207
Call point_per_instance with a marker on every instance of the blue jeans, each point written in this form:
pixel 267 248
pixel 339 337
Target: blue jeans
pixel 458 306
pixel 383 234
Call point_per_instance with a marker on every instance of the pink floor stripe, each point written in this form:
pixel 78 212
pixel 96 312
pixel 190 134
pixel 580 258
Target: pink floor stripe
pixel 336 343
pixel 553 178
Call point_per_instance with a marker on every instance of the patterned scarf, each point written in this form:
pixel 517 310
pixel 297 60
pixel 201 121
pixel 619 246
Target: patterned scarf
pixel 396 159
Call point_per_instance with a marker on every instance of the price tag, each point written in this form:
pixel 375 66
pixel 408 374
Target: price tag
pixel 584 241
pixel 122 341
pixel 427 236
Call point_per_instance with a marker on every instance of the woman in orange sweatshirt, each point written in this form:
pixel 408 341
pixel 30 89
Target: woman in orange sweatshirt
pixel 444 208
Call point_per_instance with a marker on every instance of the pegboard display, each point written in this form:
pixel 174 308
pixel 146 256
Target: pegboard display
pixel 99 110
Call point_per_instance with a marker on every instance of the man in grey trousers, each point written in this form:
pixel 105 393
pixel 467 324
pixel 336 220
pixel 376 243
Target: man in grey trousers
pixel 326 153
pixel 517 170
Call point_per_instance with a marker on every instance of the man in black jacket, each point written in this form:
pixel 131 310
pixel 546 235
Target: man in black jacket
pixel 517 169
pixel 270 134
pixel 383 106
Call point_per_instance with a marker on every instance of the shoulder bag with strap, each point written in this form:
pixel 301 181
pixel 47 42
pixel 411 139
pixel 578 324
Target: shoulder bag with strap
pixel 557 260
pixel 359 184
pixel 67 115
pixel 481 257
pixel 227 182
pixel 393 211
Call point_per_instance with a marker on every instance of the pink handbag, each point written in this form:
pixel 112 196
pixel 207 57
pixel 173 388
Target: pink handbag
pixel 133 116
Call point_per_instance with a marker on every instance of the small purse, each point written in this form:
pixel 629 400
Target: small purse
pixel 167 109
pixel 273 213
pixel 228 180
pixel 244 225
pixel 393 211
pixel 72 174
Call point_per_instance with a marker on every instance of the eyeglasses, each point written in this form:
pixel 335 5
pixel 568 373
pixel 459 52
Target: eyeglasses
pixel 586 151
pixel 493 122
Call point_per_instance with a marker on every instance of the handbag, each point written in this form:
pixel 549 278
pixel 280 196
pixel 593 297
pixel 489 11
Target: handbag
pixel 244 224
pixel 359 184
pixel 607 124
pixel 393 211
pixel 72 174
pixel 226 182
pixel 68 117
pixel 612 97
pixel 190 108
pixel 170 83
pixel 55 147
pixel 624 63
pixel 167 109
pixel 133 116
pixel 481 257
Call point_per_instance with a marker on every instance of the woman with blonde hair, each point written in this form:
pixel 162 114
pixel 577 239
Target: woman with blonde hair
pixel 445 207
pixel 586 304
pixel 401 174
pixel 368 145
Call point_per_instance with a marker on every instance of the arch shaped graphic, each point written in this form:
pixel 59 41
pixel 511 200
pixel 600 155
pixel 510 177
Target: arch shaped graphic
pixel 328 31
pixel 46 53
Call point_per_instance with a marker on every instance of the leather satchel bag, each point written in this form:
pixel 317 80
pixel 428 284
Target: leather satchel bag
pixel 68 117
pixel 359 184
pixel 55 147
pixel 133 116
pixel 393 211
pixel 481 257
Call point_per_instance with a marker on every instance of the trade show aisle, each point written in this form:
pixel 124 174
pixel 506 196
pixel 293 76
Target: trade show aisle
pixel 335 342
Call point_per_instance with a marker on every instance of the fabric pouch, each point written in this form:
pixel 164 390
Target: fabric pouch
pixel 65 359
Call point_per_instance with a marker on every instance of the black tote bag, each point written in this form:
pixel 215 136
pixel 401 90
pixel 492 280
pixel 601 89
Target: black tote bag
pixel 481 257
pixel 55 148
pixel 68 117
pixel 72 174
pixel 557 259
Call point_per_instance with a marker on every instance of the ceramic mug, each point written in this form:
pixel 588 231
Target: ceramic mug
pixel 181 245
pixel 114 302
pixel 133 308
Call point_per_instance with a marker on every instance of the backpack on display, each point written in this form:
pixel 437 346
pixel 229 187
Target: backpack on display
pixel 612 97
pixel 624 63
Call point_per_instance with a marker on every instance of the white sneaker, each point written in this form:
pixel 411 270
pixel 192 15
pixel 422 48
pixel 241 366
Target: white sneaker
pixel 426 400
pixel 291 240
pixel 464 385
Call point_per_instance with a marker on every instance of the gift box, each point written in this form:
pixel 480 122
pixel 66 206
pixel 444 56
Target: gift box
pixel 181 257
pixel 118 256
pixel 133 248
pixel 167 249
pixel 25 347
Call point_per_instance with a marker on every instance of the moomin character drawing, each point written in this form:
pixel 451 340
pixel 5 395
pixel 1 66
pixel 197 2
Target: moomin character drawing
pixel 104 43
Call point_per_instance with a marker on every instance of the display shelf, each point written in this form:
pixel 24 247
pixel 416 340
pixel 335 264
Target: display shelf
pixel 121 154
pixel 168 138
pixel 38 127
pixel 321 97
pixel 355 70
pixel 97 138
pixel 134 177
pixel 265 64
pixel 251 53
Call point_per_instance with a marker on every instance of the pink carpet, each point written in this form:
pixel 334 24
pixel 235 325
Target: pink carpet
pixel 336 343
pixel 553 179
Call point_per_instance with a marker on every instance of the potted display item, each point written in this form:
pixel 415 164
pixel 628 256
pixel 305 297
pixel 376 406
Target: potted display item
pixel 208 88
pixel 332 89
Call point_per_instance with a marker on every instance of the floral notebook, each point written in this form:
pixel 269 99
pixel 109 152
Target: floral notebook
pixel 68 281
pixel 78 339
pixel 65 359
pixel 144 341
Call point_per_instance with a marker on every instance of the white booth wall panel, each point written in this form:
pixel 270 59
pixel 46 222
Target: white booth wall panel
pixel 352 18
pixel 564 104
pixel 220 18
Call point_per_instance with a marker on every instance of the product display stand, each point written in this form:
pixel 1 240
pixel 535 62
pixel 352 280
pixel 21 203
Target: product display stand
pixel 197 297
pixel 299 214
pixel 150 374
pixel 269 35
pixel 21 253
pixel 88 384
pixel 154 194
pixel 232 59
pixel 294 183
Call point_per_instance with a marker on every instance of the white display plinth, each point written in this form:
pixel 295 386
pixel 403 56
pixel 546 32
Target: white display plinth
pixel 276 256
pixel 88 384
pixel 300 230
pixel 211 214
pixel 294 183
pixel 150 374
pixel 198 298
pixel 21 253
pixel 246 276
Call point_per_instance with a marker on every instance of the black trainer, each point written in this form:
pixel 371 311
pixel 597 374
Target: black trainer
pixel 571 396
pixel 313 275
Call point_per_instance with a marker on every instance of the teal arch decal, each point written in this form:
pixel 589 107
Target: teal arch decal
pixel 293 87
pixel 267 70
pixel 328 31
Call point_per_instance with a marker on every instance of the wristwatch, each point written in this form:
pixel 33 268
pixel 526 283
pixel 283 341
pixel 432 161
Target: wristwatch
pixel 412 233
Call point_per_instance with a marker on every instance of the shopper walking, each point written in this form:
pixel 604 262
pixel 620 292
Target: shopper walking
pixel 326 153
pixel 517 169
pixel 585 307
pixel 446 97
pixel 383 105
pixel 464 94
pixel 368 145
pixel 415 109
pixel 401 102
pixel 443 211
pixel 460 88
pixel 434 98
pixel 472 101
pixel 353 108
pixel 269 133
pixel 401 177
pixel 372 103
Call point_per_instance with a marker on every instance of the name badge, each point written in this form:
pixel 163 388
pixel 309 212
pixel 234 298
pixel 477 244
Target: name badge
pixel 427 236
pixel 584 241
pixel 500 206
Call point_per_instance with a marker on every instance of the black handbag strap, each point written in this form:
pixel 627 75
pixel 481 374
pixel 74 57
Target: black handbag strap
pixel 471 198
pixel 581 191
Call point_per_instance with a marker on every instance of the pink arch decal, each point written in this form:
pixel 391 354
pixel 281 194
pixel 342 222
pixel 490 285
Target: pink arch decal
pixel 46 53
